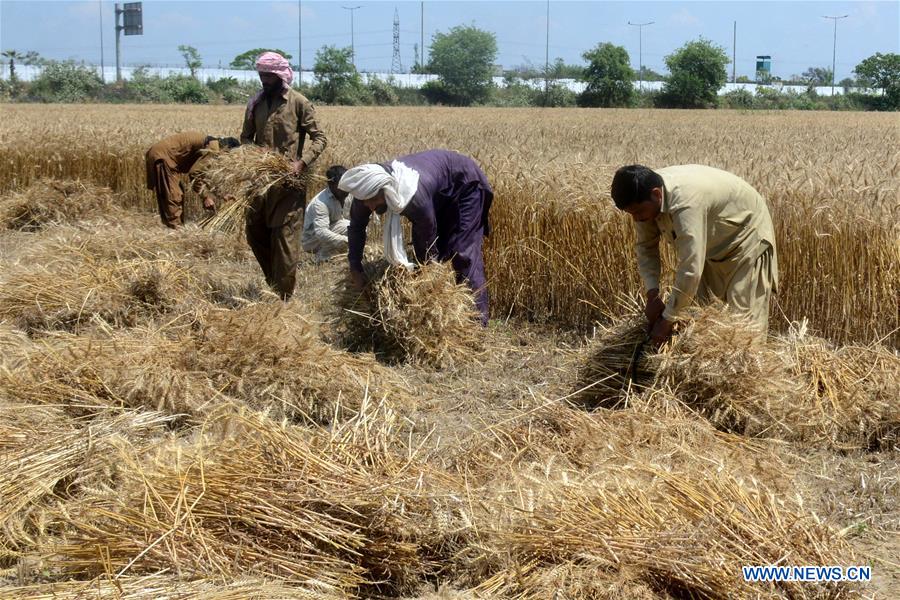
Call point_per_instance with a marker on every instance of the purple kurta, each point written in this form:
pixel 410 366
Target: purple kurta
pixel 449 216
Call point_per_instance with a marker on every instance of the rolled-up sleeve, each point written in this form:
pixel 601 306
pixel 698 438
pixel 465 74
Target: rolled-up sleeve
pixel 647 248
pixel 356 234
pixel 689 225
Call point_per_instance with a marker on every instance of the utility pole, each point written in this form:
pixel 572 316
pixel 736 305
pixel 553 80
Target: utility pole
pixel 396 63
pixel 734 55
pixel 640 27
pixel 300 42
pixel 834 49
pixel 352 45
pixel 547 58
pixel 102 73
pixel 119 29
pixel 422 33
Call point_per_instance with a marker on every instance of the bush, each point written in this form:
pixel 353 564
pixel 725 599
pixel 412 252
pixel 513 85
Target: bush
pixel 186 89
pixel 740 99
pixel 232 91
pixel 383 93
pixel 556 95
pixel 66 82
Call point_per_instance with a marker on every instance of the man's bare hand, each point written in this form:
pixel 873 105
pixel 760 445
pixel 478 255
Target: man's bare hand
pixel 209 203
pixel 654 308
pixel 298 166
pixel 661 332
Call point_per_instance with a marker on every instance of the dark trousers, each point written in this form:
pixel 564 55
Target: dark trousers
pixel 460 240
pixel 274 225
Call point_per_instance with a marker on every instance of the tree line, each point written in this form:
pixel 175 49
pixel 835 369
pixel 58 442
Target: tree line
pixel 463 61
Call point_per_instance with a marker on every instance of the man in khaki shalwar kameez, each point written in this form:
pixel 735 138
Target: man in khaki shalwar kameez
pixel 723 237
pixel 280 118
pixel 172 159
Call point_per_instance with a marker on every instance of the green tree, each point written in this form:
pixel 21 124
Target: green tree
pixel 816 76
pixel 247 60
pixel 697 72
pixel 463 59
pixel 192 59
pixel 882 71
pixel 28 58
pixel 609 77
pixel 337 81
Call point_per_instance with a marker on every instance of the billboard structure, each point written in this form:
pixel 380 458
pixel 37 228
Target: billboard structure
pixel 132 14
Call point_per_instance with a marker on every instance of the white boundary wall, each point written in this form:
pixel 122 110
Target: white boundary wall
pixel 407 80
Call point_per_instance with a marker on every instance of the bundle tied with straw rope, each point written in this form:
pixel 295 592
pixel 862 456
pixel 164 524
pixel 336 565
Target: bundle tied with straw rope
pixel 242 175
pixel 421 316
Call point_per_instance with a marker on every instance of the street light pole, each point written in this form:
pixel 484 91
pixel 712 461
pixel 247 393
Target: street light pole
pixel 834 49
pixel 352 45
pixel 640 27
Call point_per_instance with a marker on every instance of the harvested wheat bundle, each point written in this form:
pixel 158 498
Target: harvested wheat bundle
pixel 683 534
pixel 52 201
pixel 48 458
pixel 78 291
pixel 421 316
pixel 720 366
pixel 165 587
pixel 851 392
pixel 86 374
pixel 271 357
pixel 243 175
pixel 336 511
pixel 615 364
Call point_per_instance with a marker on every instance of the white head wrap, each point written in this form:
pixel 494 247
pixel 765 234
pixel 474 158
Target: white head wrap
pixel 365 181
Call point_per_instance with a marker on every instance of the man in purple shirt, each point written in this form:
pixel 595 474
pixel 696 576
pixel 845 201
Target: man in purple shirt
pixel 445 196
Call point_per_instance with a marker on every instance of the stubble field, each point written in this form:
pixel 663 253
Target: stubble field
pixel 171 430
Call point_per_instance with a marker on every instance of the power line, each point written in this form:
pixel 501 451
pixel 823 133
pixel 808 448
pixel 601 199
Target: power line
pixel 640 27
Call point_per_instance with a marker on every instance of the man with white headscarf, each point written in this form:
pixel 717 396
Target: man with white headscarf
pixel 445 196
pixel 280 118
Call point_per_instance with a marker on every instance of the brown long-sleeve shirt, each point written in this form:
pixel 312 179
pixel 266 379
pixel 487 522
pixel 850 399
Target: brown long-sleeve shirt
pixel 182 153
pixel 283 126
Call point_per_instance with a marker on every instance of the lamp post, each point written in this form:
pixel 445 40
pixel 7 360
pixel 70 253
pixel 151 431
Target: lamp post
pixel 834 48
pixel 640 27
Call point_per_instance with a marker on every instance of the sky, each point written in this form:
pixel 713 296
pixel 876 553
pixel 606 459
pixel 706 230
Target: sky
pixel 794 33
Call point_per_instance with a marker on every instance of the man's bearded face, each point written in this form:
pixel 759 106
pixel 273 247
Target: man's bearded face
pixel 271 82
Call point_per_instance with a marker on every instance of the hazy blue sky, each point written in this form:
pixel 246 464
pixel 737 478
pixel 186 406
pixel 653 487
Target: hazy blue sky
pixel 793 33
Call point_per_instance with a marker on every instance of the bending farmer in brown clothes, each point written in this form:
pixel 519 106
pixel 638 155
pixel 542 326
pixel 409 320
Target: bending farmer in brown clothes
pixel 280 118
pixel 172 159
pixel 723 237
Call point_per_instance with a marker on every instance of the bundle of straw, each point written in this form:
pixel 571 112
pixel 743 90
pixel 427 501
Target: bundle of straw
pixel 337 511
pixel 271 357
pixel 52 201
pixel 422 316
pixel 42 448
pixel 165 587
pixel 243 175
pixel 685 535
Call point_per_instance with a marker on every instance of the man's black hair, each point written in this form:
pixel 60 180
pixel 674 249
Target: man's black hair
pixel 334 173
pixel 632 184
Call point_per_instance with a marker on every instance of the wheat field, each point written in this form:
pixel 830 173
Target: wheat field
pixel 561 252
pixel 170 429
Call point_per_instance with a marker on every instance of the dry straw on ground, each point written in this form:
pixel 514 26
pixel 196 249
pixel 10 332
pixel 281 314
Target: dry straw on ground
pixel 336 511
pixel 421 316
pixel 51 201
pixel 795 387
